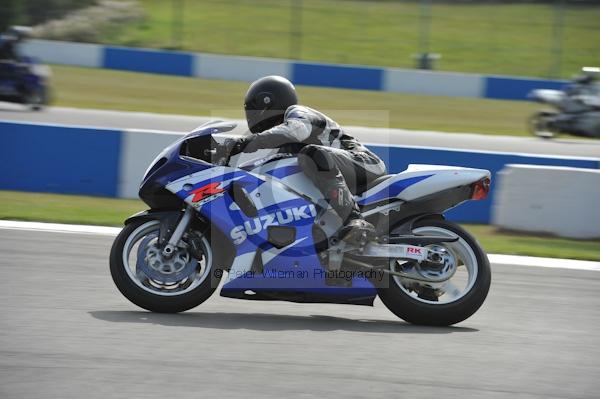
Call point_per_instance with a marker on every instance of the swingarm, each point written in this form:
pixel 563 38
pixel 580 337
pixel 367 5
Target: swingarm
pixel 433 264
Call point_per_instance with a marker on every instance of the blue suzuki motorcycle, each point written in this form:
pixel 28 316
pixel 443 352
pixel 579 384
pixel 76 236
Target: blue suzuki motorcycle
pixel 260 230
pixel 25 82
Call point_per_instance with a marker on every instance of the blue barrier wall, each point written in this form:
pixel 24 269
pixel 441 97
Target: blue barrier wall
pixel 210 66
pixel 398 158
pixel 151 61
pixel 347 77
pixel 80 160
pixel 516 89
pixel 59 159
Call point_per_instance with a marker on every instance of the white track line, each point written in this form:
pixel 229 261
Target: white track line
pixel 494 258
pixel 556 263
pixel 60 228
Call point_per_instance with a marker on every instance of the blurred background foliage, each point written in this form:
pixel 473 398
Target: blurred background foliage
pixel 33 12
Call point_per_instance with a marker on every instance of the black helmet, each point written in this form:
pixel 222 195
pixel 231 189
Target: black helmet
pixel 19 33
pixel 267 100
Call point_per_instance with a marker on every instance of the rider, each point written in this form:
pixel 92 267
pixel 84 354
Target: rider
pixel 335 162
pixel 9 54
pixel 9 43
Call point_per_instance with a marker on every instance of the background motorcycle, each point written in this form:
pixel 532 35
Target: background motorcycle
pixel 25 82
pixel 268 227
pixel 578 108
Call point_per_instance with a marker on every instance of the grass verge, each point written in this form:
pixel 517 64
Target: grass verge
pixel 112 212
pixel 498 37
pixel 71 209
pixel 129 91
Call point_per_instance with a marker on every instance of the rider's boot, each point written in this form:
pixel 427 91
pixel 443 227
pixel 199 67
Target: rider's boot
pixel 356 230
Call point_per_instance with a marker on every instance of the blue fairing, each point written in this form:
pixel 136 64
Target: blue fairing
pixel 284 171
pixel 21 77
pixel 173 166
pixel 294 268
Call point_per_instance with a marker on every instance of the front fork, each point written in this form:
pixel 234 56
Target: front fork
pixel 181 227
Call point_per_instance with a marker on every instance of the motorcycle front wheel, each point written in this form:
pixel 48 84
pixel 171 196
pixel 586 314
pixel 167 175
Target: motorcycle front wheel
pixel 157 283
pixel 466 268
pixel 539 124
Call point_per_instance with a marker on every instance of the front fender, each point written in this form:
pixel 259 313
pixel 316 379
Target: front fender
pixel 151 214
pixel 553 97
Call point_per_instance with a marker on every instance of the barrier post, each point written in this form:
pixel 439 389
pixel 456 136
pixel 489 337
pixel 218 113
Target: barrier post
pixel 296 29
pixel 177 24
pixel 558 36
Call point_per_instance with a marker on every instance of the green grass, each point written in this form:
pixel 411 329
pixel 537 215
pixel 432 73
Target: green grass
pixel 512 243
pixel 69 209
pixel 112 212
pixel 497 38
pixel 107 89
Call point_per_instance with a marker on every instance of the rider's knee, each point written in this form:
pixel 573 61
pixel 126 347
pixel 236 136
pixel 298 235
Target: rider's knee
pixel 316 155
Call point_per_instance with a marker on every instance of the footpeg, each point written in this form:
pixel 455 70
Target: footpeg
pixel 357 232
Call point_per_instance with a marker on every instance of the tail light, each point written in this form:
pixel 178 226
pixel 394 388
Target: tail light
pixel 481 189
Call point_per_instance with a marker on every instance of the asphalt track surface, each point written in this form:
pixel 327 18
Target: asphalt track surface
pixel 183 123
pixel 66 332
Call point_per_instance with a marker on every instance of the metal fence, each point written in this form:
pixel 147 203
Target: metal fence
pixel 550 39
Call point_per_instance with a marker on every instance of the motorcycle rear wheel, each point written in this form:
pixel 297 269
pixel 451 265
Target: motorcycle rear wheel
pixel 418 303
pixel 36 99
